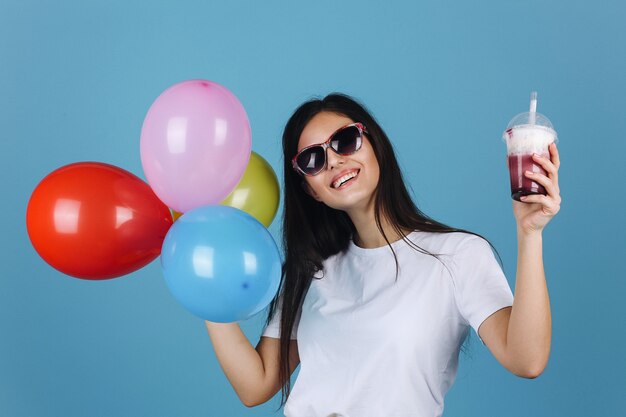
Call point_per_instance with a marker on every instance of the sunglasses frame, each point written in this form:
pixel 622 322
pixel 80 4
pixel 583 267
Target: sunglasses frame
pixel 325 145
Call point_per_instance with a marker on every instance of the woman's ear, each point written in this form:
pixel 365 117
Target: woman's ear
pixel 309 190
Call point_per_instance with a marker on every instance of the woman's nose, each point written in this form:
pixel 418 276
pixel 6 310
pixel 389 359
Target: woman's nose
pixel 333 159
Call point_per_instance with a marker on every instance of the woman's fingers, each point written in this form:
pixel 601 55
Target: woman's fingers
pixel 551 206
pixel 545 164
pixel 556 159
pixel 547 183
pixel 551 167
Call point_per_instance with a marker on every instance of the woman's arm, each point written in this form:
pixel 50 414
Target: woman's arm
pixel 520 336
pixel 253 373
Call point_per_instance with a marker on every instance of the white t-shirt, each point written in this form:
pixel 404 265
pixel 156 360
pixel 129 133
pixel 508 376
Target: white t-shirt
pixel 373 346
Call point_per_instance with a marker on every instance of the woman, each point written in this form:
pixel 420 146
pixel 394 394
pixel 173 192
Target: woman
pixel 376 298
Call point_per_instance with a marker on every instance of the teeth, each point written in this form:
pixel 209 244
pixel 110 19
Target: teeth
pixel 344 178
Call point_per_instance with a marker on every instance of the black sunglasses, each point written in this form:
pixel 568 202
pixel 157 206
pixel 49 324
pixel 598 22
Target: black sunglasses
pixel 344 141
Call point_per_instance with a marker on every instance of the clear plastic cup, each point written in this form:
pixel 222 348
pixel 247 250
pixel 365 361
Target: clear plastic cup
pixel 527 133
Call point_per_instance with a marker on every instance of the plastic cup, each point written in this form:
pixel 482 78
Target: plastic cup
pixel 527 133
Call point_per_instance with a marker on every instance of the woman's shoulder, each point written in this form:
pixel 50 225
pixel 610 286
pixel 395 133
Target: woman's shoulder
pixel 445 242
pixel 442 240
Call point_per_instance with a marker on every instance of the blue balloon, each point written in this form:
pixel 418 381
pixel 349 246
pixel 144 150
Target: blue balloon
pixel 221 263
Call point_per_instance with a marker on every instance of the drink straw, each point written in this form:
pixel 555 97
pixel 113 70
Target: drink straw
pixel 533 108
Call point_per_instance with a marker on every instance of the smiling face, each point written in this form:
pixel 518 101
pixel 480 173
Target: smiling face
pixel 358 192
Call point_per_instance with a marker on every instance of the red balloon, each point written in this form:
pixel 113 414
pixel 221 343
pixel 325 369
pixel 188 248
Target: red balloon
pixel 94 221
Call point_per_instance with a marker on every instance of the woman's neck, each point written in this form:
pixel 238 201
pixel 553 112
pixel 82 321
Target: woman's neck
pixel 368 236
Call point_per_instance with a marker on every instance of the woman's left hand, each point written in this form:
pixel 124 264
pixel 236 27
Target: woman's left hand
pixel 537 210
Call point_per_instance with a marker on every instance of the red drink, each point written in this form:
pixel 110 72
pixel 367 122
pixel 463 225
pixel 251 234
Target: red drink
pixel 521 185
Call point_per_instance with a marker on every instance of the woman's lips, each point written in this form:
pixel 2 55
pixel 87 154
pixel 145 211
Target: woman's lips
pixel 349 182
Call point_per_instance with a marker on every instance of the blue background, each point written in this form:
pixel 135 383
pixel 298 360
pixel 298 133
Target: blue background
pixel 442 77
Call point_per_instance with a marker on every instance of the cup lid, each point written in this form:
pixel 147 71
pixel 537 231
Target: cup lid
pixel 524 119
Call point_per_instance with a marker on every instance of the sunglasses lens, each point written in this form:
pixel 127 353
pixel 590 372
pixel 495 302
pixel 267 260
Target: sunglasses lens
pixel 346 141
pixel 311 161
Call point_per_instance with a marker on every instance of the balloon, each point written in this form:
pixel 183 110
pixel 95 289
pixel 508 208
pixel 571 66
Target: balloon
pixel 96 221
pixel 195 144
pixel 257 193
pixel 221 264
pixel 176 215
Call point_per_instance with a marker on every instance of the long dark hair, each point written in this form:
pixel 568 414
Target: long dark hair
pixel 313 231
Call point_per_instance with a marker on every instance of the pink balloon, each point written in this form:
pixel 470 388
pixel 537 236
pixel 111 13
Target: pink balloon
pixel 195 144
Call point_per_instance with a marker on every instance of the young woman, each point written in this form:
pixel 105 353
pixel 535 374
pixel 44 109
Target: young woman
pixel 376 298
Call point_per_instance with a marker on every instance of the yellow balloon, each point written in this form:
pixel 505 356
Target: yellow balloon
pixel 257 193
pixel 176 214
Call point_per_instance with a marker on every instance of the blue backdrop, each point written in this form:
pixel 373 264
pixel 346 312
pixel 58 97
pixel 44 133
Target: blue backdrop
pixel 442 77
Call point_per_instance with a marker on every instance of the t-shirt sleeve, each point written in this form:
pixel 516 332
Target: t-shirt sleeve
pixel 481 287
pixel 273 327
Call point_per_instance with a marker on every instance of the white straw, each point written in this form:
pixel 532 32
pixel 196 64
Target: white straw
pixel 533 108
